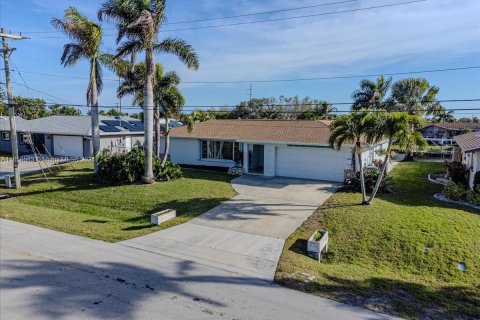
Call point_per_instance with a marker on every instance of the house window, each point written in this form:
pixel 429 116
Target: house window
pixel 6 136
pixel 23 138
pixel 222 150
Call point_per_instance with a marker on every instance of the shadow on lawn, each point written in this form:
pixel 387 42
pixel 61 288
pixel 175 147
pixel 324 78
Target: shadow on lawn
pixel 106 290
pixel 393 296
pixel 82 179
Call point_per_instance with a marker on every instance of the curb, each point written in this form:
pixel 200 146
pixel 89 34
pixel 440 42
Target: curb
pixel 441 197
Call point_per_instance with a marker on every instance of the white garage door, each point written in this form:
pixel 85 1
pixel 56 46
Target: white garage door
pixel 68 146
pixel 310 163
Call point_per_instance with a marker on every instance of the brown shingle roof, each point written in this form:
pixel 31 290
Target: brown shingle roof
pixel 290 131
pixel 468 141
pixel 456 125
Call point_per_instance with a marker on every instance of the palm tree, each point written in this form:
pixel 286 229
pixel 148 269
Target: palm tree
pixel 351 128
pixel 371 95
pixel 396 128
pixel 416 97
pixel 168 100
pixel 445 116
pixel 140 21
pixel 123 13
pixel 87 37
pixel 171 101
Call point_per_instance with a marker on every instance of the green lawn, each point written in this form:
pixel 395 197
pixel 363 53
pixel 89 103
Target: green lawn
pixel 76 203
pixel 377 257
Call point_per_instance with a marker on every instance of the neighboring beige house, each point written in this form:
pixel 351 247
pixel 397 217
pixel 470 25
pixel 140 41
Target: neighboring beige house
pixel 468 152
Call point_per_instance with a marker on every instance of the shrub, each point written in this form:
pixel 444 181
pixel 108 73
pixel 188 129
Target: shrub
pixel 128 167
pixel 457 172
pixel 456 192
pixel 371 176
pixel 473 197
pixel 476 182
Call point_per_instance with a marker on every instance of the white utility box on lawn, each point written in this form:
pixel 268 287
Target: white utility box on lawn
pixel 162 216
pixel 317 244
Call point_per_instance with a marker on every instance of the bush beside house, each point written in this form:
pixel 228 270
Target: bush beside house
pixel 128 167
pixel 458 189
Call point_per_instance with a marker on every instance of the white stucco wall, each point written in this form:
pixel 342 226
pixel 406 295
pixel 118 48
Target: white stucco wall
pixel 269 160
pixel 472 161
pixel 309 162
pixel 187 151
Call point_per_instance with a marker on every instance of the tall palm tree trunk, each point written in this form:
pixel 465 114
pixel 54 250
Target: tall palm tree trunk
pixel 167 141
pixel 362 177
pixel 409 151
pixel 93 99
pixel 382 172
pixel 148 116
pixel 157 132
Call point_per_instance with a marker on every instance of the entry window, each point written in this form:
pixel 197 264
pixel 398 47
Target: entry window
pixel 6 136
pixel 222 150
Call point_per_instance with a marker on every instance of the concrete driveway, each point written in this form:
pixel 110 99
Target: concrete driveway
pixel 246 234
pixel 52 275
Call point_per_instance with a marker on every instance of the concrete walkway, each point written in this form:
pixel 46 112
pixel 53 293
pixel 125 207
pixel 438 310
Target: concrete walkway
pixel 246 234
pixel 46 274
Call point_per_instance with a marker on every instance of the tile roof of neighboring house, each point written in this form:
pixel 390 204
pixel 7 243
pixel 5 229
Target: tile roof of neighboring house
pixel 68 125
pixel 468 141
pixel 455 125
pixel 289 131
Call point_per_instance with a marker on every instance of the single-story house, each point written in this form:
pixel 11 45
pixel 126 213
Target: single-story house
pixel 289 148
pixel 71 136
pixel 443 133
pixel 468 152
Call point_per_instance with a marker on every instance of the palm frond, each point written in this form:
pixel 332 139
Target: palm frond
pixel 129 47
pixel 181 49
pixel 72 52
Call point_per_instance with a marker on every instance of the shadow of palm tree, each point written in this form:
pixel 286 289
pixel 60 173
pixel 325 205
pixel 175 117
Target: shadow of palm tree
pixel 107 291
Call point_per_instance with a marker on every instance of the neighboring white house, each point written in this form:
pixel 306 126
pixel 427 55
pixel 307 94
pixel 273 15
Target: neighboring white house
pixel 71 136
pixel 468 152
pixel 288 148
pixel 443 133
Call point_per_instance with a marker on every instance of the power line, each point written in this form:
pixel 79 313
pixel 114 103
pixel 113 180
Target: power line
pixel 288 80
pixel 227 17
pixel 276 105
pixel 296 17
pixel 39 91
pixel 269 20
pixel 18 71
pixel 261 13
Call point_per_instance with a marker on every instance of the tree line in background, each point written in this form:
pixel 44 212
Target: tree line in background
pixel 291 108
pixel 34 108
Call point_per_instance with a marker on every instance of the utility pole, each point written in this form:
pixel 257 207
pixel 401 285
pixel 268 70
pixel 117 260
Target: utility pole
pixel 6 51
pixel 119 99
pixel 250 92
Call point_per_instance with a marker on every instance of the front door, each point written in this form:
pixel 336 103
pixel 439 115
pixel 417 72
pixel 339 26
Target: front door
pixel 255 158
pixel 39 142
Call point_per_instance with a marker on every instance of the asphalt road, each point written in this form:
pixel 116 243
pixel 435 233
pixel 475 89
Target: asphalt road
pixel 45 274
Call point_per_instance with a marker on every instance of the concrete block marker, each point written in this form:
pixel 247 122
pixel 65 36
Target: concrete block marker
pixel 162 216
pixel 317 244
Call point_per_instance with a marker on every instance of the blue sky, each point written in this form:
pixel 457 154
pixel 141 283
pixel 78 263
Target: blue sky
pixel 434 34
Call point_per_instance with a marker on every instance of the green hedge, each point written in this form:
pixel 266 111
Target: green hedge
pixel 129 167
pixel 459 192
pixel 370 176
